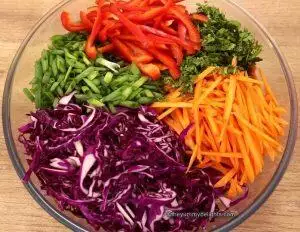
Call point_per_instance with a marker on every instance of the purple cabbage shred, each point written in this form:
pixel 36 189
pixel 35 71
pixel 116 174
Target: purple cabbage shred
pixel 122 171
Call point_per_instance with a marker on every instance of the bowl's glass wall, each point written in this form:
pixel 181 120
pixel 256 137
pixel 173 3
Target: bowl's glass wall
pixel 24 71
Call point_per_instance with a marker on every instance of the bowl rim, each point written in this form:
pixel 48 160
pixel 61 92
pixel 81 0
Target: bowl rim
pixel 59 216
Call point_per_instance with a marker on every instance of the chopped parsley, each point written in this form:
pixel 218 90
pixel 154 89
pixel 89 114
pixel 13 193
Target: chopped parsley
pixel 223 39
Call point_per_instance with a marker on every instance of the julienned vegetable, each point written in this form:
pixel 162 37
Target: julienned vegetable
pixel 121 172
pixel 64 68
pixel 123 169
pixel 144 32
pixel 230 124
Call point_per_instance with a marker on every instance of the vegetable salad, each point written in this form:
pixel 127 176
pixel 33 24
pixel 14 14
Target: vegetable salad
pixel 145 110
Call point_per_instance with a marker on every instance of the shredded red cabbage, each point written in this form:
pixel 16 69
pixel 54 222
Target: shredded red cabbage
pixel 119 171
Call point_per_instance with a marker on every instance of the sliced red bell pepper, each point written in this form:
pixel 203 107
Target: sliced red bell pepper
pixel 160 39
pixel 109 24
pixel 109 15
pixel 130 6
pixel 177 53
pixel 106 48
pixel 137 49
pixel 194 34
pixel 160 2
pixel 177 40
pixel 115 33
pixel 140 55
pixel 162 46
pixel 85 21
pixel 92 15
pixel 157 21
pixel 132 27
pixel 70 26
pixel 150 70
pixel 90 48
pixel 124 51
pixel 182 31
pixel 154 12
pixel 167 60
pixel 167 29
pixel 200 17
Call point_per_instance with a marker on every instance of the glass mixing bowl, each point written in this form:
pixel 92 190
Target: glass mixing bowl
pixel 16 105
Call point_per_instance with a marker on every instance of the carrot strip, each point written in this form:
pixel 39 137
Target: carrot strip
pixel 219 167
pixel 225 179
pixel 196 149
pixel 186 117
pixel 166 113
pixel 228 104
pixel 205 73
pixel 256 130
pixel 179 116
pixel 171 105
pixel 223 154
pixel 173 95
pixel 249 80
pixel 267 86
pixel 200 99
pixel 247 163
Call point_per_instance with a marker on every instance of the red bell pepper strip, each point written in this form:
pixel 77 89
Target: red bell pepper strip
pixel 200 17
pixel 124 51
pixel 103 33
pixel 70 26
pixel 137 3
pixel 90 48
pixel 160 39
pixel 140 55
pixel 132 27
pixel 150 70
pixel 128 38
pixel 154 12
pixel 106 48
pixel 160 2
pixel 85 20
pixel 137 50
pixel 157 21
pixel 177 53
pixel 155 31
pixel 167 60
pixel 194 34
pixel 167 29
pixel 92 16
pixel 181 31
pixel 115 33
pixel 162 46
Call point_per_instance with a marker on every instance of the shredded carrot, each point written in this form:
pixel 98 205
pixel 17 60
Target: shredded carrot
pixel 204 74
pixel 186 117
pixel 249 80
pixel 199 99
pixel 166 113
pixel 172 104
pixel 229 103
pixel 236 123
pixel 219 167
pixel 257 130
pixel 223 154
pixel 267 86
pixel 225 179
